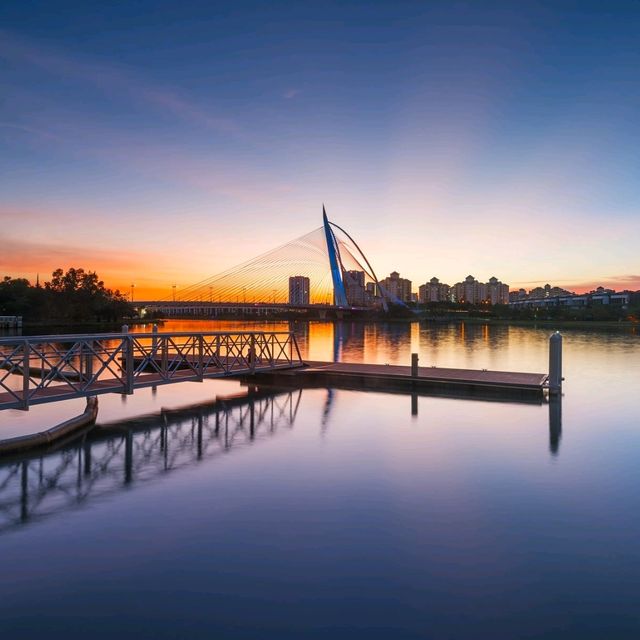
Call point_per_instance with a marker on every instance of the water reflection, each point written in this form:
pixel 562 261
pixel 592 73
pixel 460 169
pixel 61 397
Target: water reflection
pixel 112 457
pixel 555 423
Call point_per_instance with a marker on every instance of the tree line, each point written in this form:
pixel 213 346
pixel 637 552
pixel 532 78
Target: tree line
pixel 75 296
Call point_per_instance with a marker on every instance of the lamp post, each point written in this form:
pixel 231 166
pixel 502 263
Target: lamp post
pixel 132 286
pixel 173 286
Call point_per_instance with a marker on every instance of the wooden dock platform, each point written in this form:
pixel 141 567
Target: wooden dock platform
pixel 435 380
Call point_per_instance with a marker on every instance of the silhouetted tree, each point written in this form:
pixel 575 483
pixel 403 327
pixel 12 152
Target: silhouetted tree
pixel 76 296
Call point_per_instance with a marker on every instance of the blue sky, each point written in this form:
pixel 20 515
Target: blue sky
pixel 164 142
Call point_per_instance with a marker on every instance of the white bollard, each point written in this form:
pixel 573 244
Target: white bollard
pixel 555 363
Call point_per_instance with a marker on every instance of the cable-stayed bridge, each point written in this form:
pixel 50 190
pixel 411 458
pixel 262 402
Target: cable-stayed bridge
pixel 322 271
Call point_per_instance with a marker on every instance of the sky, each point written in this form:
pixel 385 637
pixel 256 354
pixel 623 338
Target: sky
pixel 160 143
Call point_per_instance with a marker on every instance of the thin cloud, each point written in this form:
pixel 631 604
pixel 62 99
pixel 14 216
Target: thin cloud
pixel 114 80
pixel 291 93
pixel 15 126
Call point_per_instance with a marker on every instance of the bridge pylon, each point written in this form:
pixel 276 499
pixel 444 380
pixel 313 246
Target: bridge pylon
pixel 339 292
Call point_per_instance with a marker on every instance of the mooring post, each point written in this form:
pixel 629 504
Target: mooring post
pixel 414 365
pixel 555 363
pixel 414 404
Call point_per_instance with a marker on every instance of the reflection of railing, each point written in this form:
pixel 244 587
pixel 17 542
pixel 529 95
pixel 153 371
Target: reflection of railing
pixel 48 368
pixel 114 456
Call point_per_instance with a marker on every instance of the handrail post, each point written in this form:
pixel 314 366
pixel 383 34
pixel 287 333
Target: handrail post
pixel 154 340
pixel 200 357
pixel 88 360
pixel 252 353
pixel 164 365
pixel 127 347
pixel 25 375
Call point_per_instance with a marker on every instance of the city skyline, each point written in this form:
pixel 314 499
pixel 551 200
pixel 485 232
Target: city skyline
pixel 503 135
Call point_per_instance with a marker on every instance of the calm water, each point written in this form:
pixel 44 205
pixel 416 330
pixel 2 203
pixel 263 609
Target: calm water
pixel 327 513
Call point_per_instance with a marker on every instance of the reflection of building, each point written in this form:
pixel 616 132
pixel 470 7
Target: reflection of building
pixel 298 290
pixel 355 288
pixel 397 287
pixel 433 291
pixel 473 292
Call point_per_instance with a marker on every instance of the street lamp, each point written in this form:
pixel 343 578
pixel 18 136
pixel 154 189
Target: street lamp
pixel 132 286
pixel 173 286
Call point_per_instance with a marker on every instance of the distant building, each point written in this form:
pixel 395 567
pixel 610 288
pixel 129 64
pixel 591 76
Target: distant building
pixel 468 291
pixel 299 287
pixel 354 284
pixel 471 291
pixel 600 296
pixel 433 291
pixel 397 287
pixel 372 291
pixel 548 292
pixel 497 292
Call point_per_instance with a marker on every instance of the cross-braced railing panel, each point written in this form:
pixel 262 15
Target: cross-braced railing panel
pixel 49 368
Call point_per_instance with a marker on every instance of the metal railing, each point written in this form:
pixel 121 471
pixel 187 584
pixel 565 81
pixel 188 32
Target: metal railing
pixel 40 369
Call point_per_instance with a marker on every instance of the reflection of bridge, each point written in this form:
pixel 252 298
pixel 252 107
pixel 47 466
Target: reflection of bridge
pixel 111 457
pixel 323 271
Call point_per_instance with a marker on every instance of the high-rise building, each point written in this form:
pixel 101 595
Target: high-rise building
pixel 299 287
pixel 397 287
pixel 497 292
pixel 354 284
pixel 473 292
pixel 433 291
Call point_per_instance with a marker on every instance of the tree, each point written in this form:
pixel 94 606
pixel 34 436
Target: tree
pixel 76 296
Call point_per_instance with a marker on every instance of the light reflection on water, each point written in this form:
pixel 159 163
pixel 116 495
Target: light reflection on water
pixel 348 516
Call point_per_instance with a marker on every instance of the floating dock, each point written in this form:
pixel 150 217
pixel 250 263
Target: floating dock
pixel 434 380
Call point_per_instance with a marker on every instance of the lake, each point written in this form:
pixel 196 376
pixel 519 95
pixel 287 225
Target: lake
pixel 322 513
